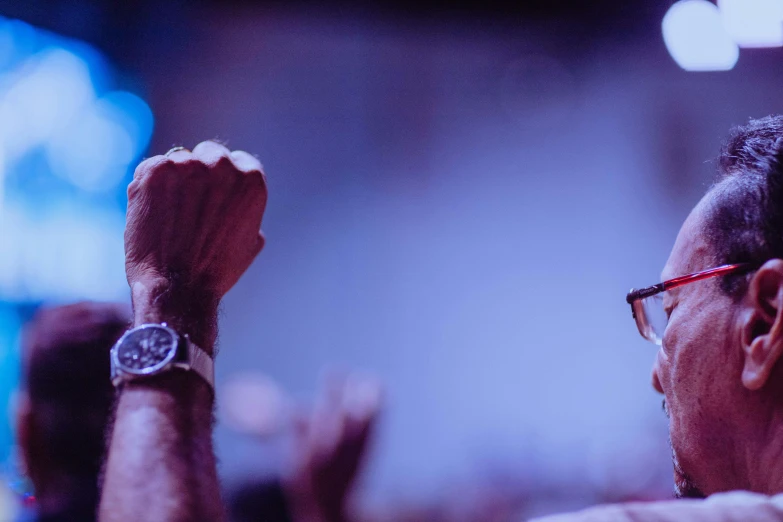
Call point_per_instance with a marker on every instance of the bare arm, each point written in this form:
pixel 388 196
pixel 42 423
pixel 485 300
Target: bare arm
pixel 161 463
pixel 193 229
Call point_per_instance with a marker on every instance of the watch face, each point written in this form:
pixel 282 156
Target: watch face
pixel 146 349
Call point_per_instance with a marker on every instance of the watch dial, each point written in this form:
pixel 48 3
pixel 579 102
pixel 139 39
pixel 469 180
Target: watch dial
pixel 146 348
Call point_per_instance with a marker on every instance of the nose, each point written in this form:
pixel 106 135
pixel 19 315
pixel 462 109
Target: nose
pixel 656 380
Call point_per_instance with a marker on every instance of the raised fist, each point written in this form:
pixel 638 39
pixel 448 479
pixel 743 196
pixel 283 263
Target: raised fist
pixel 194 220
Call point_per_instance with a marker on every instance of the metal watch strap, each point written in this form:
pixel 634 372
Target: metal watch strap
pixel 199 361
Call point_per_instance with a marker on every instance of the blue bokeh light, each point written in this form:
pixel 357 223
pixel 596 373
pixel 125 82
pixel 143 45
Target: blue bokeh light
pixel 68 143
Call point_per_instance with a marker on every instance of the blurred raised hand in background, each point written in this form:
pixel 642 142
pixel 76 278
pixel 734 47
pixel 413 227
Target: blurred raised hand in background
pixel 328 446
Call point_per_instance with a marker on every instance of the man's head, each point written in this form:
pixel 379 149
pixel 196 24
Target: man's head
pixel 718 365
pixel 66 398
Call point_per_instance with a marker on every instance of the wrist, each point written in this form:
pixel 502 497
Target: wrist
pixel 187 311
pixel 184 391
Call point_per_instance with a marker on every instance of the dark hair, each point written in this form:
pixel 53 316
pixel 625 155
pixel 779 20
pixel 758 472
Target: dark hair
pixel 745 221
pixel 66 376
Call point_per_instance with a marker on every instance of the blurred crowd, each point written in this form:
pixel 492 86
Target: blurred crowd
pixel 64 411
pixel 63 414
pixel 389 147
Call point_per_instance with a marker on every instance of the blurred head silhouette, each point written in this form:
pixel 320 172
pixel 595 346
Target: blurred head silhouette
pixel 65 404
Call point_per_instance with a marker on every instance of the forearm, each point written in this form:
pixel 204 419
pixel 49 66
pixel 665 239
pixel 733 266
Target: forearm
pixel 193 227
pixel 161 464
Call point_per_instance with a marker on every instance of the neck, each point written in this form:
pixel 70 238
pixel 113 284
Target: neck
pixel 761 446
pixel 766 469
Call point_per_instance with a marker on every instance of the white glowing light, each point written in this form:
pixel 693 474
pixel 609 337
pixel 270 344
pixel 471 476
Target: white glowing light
pixel 96 149
pixel 93 152
pixel 696 38
pixel 753 23
pixel 2 180
pixel 133 114
pixel 69 253
pixel 57 245
pixel 45 96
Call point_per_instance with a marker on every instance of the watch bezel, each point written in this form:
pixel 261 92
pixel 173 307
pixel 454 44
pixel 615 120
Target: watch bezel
pixel 152 369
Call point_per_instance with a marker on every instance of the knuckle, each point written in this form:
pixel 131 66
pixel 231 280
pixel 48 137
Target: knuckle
pixel 223 161
pixel 133 188
pixel 190 165
pixel 209 148
pixel 173 169
pixel 216 161
pixel 148 166
pixel 255 178
pixel 260 243
pixel 256 172
pixel 166 164
pixel 247 161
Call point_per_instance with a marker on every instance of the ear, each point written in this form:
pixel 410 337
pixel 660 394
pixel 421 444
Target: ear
pixel 762 325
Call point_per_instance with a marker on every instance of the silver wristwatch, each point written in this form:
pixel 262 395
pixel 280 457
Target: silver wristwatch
pixel 151 349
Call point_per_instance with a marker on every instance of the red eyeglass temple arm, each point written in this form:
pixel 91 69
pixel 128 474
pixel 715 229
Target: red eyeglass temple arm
pixel 679 281
pixel 698 276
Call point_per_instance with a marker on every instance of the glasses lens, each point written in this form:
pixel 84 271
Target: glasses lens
pixel 651 318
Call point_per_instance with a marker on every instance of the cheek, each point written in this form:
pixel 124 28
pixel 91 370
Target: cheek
pixel 694 351
pixel 697 360
pixel 695 371
pixel 682 373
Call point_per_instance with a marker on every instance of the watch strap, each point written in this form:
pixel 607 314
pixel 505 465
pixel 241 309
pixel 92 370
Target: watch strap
pixel 198 361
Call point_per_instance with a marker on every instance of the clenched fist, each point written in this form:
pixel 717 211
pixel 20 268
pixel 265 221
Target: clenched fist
pixel 193 228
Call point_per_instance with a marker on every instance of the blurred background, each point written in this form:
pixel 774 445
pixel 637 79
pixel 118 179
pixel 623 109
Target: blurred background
pixel 460 197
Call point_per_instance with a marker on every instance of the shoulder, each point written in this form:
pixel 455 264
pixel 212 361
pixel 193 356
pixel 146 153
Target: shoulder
pixel 736 506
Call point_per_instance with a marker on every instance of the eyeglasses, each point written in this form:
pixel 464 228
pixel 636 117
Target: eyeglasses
pixel 647 303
